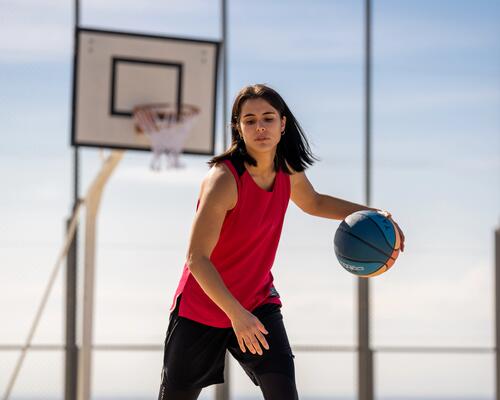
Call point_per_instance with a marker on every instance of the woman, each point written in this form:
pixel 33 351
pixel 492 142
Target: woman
pixel 226 299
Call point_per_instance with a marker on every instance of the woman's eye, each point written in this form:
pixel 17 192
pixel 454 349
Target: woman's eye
pixel 251 122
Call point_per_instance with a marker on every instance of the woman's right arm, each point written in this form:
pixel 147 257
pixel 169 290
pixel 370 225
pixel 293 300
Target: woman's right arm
pixel 218 195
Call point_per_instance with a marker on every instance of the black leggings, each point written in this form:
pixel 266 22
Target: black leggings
pixel 274 386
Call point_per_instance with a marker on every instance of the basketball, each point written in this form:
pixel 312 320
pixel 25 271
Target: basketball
pixel 367 243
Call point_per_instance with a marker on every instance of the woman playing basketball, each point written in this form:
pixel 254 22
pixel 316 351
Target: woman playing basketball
pixel 226 299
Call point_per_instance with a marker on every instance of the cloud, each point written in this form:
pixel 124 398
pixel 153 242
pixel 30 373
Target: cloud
pixel 43 32
pixel 189 176
pixel 409 97
pixel 409 34
pixel 430 96
pixel 452 306
pixel 26 40
pixel 332 34
pixel 336 35
pixel 153 6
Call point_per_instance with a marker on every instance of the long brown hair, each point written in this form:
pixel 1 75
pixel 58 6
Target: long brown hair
pixel 293 148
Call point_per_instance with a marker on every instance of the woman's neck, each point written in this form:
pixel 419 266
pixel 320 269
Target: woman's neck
pixel 265 164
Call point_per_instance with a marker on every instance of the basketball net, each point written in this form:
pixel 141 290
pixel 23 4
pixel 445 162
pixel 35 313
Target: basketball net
pixel 167 129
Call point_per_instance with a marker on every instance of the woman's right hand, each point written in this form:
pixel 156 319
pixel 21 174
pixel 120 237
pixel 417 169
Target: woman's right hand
pixel 249 332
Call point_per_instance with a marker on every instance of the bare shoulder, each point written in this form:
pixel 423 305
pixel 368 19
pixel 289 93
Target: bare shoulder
pixel 302 192
pixel 219 187
pixel 299 181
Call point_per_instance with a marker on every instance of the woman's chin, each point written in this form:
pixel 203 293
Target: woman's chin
pixel 261 149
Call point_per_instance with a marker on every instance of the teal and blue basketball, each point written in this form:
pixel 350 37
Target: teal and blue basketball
pixel 367 243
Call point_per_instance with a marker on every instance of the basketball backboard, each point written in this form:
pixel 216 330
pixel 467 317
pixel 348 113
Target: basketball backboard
pixel 117 71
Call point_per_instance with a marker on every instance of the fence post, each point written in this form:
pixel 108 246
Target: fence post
pixel 497 310
pixel 71 350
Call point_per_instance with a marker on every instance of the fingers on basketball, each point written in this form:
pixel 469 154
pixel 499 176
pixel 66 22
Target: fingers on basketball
pixel 401 235
pixel 402 239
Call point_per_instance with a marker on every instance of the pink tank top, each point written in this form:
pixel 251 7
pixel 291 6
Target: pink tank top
pixel 244 253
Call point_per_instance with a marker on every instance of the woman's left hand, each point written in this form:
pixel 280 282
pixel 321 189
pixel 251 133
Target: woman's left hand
pixel 388 215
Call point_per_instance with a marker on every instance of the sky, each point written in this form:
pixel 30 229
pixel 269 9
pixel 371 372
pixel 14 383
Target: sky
pixel 436 167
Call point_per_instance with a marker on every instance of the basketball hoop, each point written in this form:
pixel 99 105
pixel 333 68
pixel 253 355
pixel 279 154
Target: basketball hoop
pixel 167 128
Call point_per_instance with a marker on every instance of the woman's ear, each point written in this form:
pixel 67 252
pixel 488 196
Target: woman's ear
pixel 283 123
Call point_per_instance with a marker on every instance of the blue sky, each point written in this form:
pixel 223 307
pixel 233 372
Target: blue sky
pixel 436 153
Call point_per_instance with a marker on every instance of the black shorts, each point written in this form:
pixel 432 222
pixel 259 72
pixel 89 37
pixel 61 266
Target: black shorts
pixel 194 353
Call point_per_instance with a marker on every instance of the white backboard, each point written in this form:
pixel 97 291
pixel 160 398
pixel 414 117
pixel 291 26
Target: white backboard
pixel 116 71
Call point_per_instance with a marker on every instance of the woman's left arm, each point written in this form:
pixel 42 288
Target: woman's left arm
pixel 322 205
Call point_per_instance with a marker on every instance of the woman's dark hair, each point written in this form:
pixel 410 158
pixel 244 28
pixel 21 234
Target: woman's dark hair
pixel 293 146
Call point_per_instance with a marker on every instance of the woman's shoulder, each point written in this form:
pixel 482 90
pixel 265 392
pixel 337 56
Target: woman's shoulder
pixel 219 174
pixel 297 178
pixel 220 177
pixel 219 183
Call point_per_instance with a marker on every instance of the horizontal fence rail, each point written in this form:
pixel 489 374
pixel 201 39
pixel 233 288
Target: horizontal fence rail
pixel 299 348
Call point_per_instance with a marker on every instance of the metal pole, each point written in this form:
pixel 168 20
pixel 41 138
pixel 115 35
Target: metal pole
pixel 76 160
pixel 71 351
pixel 76 163
pixel 224 73
pixel 222 391
pixel 497 311
pixel 365 354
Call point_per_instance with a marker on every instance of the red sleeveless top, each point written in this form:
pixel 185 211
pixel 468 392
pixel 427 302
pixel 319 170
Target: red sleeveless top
pixel 244 253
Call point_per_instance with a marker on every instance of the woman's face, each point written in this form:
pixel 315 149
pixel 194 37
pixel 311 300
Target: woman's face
pixel 260 126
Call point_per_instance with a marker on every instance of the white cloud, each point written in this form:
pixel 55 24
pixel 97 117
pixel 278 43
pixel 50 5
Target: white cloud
pixel 408 98
pixel 26 41
pixel 430 96
pixel 451 307
pixel 40 32
pixel 153 6
pixel 189 176
pixel 406 34
pixel 336 36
